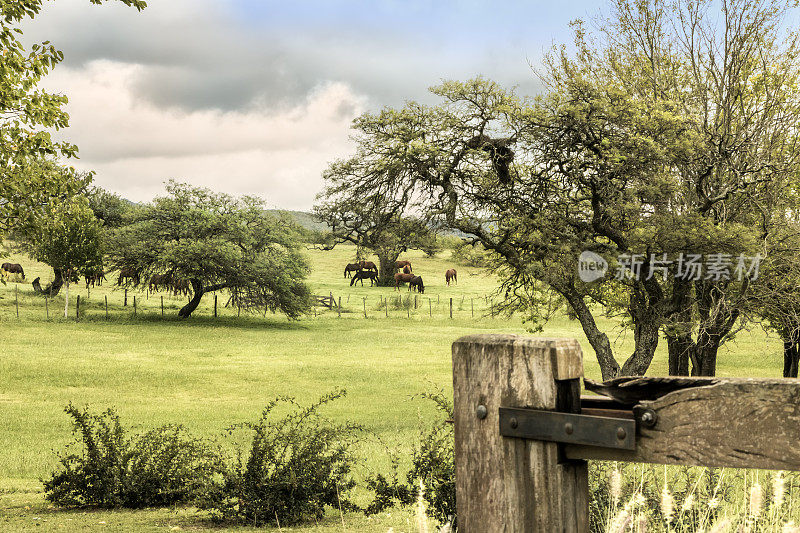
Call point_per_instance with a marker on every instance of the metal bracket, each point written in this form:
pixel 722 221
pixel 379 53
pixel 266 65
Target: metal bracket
pixel 554 426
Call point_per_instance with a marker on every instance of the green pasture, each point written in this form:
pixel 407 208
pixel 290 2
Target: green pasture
pixel 208 373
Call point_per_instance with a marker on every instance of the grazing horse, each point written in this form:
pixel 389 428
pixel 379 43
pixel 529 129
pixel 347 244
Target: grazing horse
pixel 94 277
pixel 351 267
pixel 13 268
pixel 406 269
pixel 361 275
pixel 451 275
pixel 402 278
pixel 368 265
pixel 402 264
pixel 181 287
pixel 128 275
pixel 160 281
pixel 416 283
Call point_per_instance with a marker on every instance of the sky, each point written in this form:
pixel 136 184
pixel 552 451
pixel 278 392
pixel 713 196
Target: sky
pixel 257 97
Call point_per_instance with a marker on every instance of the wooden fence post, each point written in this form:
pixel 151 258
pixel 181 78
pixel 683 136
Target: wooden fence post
pixel 509 484
pixel 339 307
pixel 46 309
pixel 430 308
pixel 215 306
pixel 106 300
pixel 16 299
pixel 162 305
pixel 134 305
pixel 125 302
pixel 472 305
pixel 365 307
pixel 78 308
pixel 451 308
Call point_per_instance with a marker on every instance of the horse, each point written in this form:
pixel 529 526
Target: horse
pixel 128 274
pixel 401 264
pixel 361 275
pixel 416 283
pixel 402 278
pixel 451 275
pixel 368 265
pixel 160 281
pixel 181 287
pixel 351 267
pixel 94 277
pixel 13 268
pixel 406 269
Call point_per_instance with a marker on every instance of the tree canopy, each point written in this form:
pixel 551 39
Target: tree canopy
pixel 216 242
pixel 664 136
pixel 28 114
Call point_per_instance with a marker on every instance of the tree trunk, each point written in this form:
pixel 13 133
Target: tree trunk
pixel 199 291
pixel 51 290
pixel 645 338
pixel 609 368
pixel 386 269
pixel 679 346
pixel 791 356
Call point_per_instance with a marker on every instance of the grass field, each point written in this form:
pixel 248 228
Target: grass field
pixel 208 373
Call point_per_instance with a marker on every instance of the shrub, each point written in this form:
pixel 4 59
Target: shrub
pixel 432 462
pixel 161 467
pixel 298 465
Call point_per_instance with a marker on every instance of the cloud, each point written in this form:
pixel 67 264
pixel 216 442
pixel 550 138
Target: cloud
pixel 134 145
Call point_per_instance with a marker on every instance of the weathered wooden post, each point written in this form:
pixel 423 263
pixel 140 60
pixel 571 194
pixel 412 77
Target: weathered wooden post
pixel 78 308
pixel 430 308
pixel 46 309
pixel 162 305
pixel 106 302
pixel 16 299
pixel 134 305
pixel 507 484
pixel 365 307
pixel 451 308
pixel 125 301
pixel 472 305
pixel 215 306
pixel 339 307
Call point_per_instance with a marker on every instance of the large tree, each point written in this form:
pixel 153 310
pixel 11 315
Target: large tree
pixel 27 117
pixel 216 242
pixel 636 150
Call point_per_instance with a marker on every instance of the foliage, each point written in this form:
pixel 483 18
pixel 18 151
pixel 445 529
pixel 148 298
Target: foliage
pixel 432 463
pixel 161 467
pixel 27 116
pixel 216 242
pixel 468 254
pixel 109 208
pixel 299 463
pixel 647 146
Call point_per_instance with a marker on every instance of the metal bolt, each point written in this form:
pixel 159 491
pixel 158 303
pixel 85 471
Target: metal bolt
pixel 513 422
pixel 568 429
pixel 481 411
pixel 621 434
pixel 649 418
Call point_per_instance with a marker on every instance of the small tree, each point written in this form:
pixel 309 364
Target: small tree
pixel 379 219
pixel 68 239
pixel 216 242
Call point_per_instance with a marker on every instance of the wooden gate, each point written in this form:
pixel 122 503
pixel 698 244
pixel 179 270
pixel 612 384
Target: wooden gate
pixel 523 432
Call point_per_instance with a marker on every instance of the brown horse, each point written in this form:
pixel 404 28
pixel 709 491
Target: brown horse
pixel 351 267
pixel 128 275
pixel 451 275
pixel 416 283
pixel 361 275
pixel 402 278
pixel 368 265
pixel 13 268
pixel 402 264
pixel 160 281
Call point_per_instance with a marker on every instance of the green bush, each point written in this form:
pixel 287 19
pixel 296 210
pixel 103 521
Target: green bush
pixel 298 464
pixel 161 467
pixel 433 462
